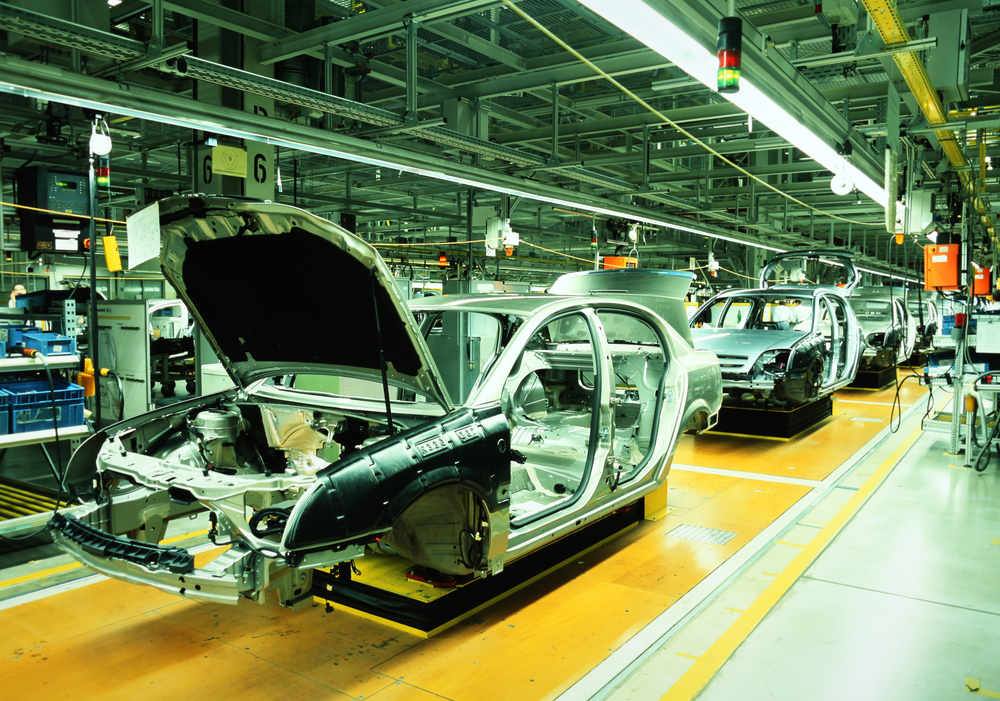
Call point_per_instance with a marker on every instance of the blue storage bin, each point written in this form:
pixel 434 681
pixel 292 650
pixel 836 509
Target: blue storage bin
pixel 38 417
pixel 4 414
pixel 30 405
pixel 948 323
pixel 34 391
pixel 49 343
pixel 11 333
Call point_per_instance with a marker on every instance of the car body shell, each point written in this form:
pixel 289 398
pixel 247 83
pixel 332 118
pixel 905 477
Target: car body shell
pixel 888 327
pixel 794 360
pixel 322 451
pixel 925 313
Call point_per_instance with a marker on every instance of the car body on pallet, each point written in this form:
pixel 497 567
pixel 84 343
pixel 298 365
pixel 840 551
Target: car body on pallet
pixel 790 343
pixel 495 424
pixel 924 310
pixel 888 328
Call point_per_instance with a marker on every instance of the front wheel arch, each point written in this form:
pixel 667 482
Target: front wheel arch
pixel 446 528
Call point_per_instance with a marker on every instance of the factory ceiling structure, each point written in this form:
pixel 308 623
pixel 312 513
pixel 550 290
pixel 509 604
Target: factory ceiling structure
pixel 416 122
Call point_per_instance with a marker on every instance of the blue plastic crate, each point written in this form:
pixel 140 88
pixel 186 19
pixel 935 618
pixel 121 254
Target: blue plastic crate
pixel 49 343
pixel 31 404
pixel 3 349
pixel 37 416
pixel 35 391
pixel 4 421
pixel 11 333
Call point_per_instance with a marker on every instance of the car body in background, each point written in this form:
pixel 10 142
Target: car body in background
pixel 888 328
pixel 927 317
pixel 790 344
pixel 461 432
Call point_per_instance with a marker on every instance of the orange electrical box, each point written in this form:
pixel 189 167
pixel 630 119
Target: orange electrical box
pixel 620 262
pixel 981 281
pixel 941 266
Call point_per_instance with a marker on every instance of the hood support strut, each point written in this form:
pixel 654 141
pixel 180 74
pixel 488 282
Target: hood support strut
pixel 381 353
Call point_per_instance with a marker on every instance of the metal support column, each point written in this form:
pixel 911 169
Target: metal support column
pixel 328 81
pixel 554 154
pixel 93 322
pixel 645 157
pixel 157 41
pixel 411 71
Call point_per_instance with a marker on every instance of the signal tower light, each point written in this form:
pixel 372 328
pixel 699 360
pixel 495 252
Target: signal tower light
pixel 104 172
pixel 730 51
pixel 443 259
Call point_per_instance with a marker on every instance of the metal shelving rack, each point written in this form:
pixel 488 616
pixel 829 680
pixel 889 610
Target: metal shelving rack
pixel 13 499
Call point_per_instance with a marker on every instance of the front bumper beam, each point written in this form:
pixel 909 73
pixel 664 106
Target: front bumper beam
pixel 168 569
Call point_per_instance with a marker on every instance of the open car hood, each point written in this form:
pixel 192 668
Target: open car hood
pixel 278 291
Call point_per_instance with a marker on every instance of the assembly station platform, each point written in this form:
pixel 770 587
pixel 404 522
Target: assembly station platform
pixel 738 505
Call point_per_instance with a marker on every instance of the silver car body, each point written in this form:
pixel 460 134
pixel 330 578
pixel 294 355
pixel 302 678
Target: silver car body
pixel 789 343
pixel 566 408
pixel 925 313
pixel 888 327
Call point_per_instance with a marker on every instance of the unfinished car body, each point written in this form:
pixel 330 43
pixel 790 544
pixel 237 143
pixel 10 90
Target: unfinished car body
pixel 789 343
pixel 924 311
pixel 461 433
pixel 888 328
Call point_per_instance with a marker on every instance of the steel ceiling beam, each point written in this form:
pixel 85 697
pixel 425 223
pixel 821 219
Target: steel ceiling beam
pixel 549 66
pixel 364 26
pixel 25 78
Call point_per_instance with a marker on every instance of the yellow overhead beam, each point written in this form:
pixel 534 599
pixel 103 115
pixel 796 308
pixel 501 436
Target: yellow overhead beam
pixel 893 30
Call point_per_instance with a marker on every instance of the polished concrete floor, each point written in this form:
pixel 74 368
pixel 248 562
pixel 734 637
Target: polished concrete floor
pixel 859 564
pixel 903 604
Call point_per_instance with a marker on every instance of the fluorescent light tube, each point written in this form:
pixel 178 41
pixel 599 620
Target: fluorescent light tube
pixel 667 39
pixel 222 129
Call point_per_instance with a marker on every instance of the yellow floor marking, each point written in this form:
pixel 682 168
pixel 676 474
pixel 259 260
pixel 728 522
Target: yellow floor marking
pixel 747 435
pixel 736 610
pixel 973 686
pixel 684 654
pixel 957 467
pixel 785 542
pixel 186 536
pixel 702 671
pixel 771 574
pixel 40 575
pixel 995 541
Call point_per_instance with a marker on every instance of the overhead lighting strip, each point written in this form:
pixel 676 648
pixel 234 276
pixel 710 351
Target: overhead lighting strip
pixel 218 127
pixel 667 39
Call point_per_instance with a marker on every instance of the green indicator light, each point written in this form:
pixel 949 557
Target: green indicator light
pixel 729 80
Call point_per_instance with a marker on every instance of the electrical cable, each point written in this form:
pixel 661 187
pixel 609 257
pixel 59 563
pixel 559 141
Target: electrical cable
pixel 61 214
pixel 61 475
pixel 79 280
pixel 673 124
pixel 121 391
pixel 897 408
